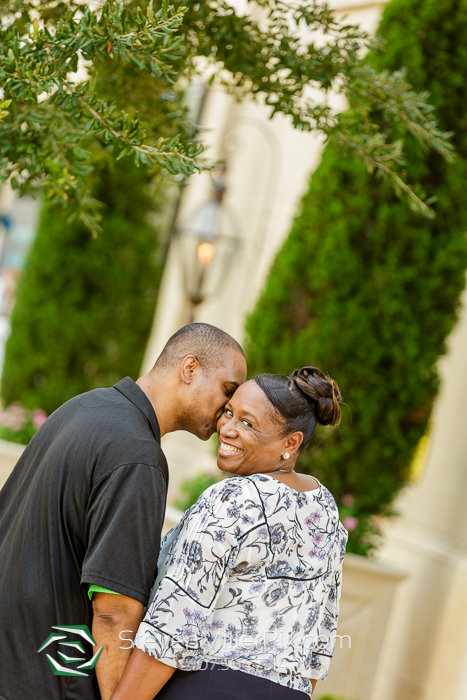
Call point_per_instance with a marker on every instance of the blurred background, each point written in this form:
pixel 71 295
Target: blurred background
pixel 305 258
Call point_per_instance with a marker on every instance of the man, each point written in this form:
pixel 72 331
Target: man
pixel 83 510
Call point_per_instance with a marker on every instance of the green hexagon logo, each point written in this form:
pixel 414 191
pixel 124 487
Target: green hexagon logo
pixel 73 647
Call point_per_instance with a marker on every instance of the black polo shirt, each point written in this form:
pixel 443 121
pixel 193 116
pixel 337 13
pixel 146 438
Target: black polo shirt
pixel 84 504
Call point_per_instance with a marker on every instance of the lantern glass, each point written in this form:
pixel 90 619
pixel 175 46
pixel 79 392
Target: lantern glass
pixel 207 242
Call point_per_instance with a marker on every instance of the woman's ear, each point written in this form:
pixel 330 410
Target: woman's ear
pixel 188 367
pixel 294 440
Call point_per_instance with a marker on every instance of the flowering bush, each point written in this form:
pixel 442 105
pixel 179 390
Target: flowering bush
pixel 364 532
pixel 18 424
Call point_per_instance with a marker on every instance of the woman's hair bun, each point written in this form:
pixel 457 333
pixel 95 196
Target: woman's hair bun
pixel 323 391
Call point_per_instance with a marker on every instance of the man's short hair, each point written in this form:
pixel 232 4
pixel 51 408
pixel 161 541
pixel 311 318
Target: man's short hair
pixel 207 343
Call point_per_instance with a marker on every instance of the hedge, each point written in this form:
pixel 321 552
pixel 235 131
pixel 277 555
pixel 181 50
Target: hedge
pixel 369 291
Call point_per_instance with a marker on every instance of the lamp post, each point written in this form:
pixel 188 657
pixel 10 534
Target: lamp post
pixel 207 241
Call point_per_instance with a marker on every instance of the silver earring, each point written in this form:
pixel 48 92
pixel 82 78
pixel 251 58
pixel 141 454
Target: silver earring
pixel 286 455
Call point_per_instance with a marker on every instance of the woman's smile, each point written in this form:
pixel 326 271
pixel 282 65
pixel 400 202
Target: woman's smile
pixel 227 450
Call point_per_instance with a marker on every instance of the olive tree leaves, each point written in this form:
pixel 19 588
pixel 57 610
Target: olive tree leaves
pixel 295 55
pixel 51 121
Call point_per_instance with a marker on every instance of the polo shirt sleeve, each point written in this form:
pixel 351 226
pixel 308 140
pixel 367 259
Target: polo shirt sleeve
pixel 124 520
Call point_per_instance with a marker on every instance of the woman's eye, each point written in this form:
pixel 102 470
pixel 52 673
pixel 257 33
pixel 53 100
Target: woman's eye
pixel 228 412
pixel 247 422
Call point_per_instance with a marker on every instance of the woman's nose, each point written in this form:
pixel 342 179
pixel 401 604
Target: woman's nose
pixel 228 429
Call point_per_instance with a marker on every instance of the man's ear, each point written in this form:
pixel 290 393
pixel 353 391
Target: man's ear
pixel 188 368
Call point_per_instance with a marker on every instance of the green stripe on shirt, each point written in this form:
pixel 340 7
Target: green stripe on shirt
pixel 99 589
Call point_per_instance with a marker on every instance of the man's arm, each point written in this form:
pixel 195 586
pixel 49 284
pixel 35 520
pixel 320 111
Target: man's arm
pixel 143 678
pixel 313 683
pixel 124 518
pixel 113 614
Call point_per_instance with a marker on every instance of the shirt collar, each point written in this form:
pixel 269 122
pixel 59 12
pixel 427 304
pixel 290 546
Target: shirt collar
pixel 133 393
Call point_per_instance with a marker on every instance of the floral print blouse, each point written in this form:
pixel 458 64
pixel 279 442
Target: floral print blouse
pixel 251 577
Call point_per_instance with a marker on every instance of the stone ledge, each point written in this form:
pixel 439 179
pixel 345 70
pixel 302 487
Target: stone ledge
pixel 375 567
pixel 11 449
pixel 10 452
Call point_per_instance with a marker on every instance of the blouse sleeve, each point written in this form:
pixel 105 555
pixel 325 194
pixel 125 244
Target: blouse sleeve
pixel 178 621
pixel 326 633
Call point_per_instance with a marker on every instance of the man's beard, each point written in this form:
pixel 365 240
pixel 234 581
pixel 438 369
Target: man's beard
pixel 192 422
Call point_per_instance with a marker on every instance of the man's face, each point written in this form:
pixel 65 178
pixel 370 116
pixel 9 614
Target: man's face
pixel 210 391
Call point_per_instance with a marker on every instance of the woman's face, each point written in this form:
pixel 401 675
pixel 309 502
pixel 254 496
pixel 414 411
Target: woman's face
pixel 249 437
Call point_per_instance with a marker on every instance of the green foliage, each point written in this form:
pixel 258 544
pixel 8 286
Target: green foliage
pixel 366 290
pixel 53 123
pixel 50 140
pixel 191 489
pixel 85 305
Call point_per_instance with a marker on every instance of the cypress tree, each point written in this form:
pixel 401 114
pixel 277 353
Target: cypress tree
pixel 85 305
pixel 367 290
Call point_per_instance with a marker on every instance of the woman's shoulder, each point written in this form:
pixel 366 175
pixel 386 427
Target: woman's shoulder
pixel 235 501
pixel 228 490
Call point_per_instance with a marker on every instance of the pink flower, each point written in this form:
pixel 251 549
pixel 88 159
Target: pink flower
pixel 348 500
pixel 39 416
pixel 350 523
pixel 14 417
pixel 14 423
pixel 16 409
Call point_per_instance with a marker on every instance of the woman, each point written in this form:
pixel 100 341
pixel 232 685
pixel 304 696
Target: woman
pixel 246 601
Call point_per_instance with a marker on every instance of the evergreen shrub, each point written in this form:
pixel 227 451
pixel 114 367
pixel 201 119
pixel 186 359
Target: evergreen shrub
pixel 191 489
pixel 85 305
pixel 369 291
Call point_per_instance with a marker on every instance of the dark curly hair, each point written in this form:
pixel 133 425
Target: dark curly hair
pixel 302 400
